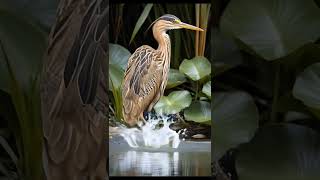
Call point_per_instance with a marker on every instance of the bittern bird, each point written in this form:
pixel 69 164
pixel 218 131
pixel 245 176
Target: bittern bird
pixel 146 75
pixel 74 94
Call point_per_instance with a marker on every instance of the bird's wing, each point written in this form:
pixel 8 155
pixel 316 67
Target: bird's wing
pixel 140 68
pixel 73 91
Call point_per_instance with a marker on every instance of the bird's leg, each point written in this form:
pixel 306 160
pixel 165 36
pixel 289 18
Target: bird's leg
pixel 180 118
pixel 143 119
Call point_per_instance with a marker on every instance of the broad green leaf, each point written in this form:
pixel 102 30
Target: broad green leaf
pixel 118 56
pixel 206 89
pixel 175 78
pixel 196 68
pixel 23 45
pixel 198 111
pixel 118 60
pixel 280 152
pixel 116 76
pixel 173 103
pixel 141 20
pixel 226 53
pixel 42 12
pixel 307 86
pixel 272 28
pixel 235 120
pixel 20 57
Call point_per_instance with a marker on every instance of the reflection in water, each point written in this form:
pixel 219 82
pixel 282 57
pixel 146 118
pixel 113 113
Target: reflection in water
pixel 139 163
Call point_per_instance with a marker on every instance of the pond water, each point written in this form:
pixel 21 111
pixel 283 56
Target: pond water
pixel 189 159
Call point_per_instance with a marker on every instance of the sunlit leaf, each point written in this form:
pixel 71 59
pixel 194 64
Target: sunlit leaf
pixel 206 89
pixel 198 111
pixel 280 152
pixel 272 28
pixel 118 60
pixel 307 86
pixel 175 78
pixel 141 20
pixel 173 103
pixel 118 56
pixel 116 76
pixel 235 120
pixel 196 68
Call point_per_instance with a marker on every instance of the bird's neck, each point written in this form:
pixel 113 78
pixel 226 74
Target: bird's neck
pixel 164 43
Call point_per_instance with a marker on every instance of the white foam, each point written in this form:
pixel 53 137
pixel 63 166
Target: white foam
pixel 149 135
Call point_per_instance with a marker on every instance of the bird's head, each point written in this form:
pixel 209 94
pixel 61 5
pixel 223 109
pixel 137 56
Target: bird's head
pixel 168 22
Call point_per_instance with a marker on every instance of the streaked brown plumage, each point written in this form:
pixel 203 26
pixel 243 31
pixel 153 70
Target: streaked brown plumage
pixel 147 71
pixel 74 94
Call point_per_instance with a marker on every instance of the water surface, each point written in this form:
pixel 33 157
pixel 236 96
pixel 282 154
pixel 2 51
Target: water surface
pixel 189 159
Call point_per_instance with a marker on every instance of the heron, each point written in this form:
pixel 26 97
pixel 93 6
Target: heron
pixel 74 92
pixel 146 74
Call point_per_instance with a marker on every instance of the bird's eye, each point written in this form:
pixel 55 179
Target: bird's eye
pixel 176 21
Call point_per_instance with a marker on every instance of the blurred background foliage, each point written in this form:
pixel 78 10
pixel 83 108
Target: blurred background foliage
pixel 266 88
pixel 24 28
pixel 189 86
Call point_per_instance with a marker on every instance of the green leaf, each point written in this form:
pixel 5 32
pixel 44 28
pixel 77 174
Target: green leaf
pixel 118 56
pixel 206 89
pixel 198 111
pixel 235 120
pixel 9 150
pixel 175 78
pixel 42 12
pixel 141 20
pixel 173 103
pixel 280 152
pixel 20 59
pixel 22 48
pixel 196 68
pixel 116 76
pixel 118 60
pixel 4 73
pixel 226 53
pixel 307 86
pixel 272 28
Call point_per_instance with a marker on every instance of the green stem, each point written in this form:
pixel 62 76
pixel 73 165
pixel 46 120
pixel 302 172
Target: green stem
pixel 276 88
pixel 197 90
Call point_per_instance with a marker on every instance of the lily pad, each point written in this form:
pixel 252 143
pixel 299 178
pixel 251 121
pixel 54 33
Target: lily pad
pixel 118 56
pixel 173 103
pixel 116 76
pixel 235 120
pixel 199 111
pixel 175 78
pixel 272 28
pixel 118 60
pixel 280 152
pixel 226 53
pixel 206 89
pixel 307 86
pixel 196 68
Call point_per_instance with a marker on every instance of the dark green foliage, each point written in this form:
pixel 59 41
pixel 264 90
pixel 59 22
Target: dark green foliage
pixel 24 29
pixel 269 49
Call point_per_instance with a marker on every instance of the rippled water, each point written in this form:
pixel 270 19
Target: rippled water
pixel 154 151
pixel 151 134
pixel 189 159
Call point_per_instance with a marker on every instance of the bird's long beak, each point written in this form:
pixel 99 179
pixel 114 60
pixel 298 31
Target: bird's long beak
pixel 188 26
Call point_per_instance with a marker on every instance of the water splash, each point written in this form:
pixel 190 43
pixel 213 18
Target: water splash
pixel 150 134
